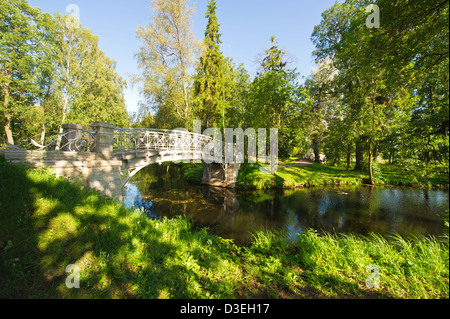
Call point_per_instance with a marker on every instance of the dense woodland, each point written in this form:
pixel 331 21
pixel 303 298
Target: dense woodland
pixel 378 94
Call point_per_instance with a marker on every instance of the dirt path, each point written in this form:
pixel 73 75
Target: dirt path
pixel 300 162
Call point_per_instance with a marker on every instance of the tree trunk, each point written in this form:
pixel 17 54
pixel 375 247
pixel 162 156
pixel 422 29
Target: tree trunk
pixel 359 154
pixel 8 132
pixel 64 114
pixel 371 180
pixel 67 81
pixel 349 155
pixel 375 152
pixel 316 150
pixel 9 136
pixel 334 161
pixel 43 131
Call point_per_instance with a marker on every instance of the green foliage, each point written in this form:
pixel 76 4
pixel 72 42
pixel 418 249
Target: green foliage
pixel 23 46
pixel 274 59
pixel 85 78
pixel 276 99
pixel 411 173
pixel 193 173
pixel 51 70
pixel 323 110
pixel 209 87
pixel 394 88
pixel 445 217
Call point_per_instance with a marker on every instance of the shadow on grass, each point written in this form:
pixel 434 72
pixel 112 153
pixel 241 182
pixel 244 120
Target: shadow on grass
pixel 47 224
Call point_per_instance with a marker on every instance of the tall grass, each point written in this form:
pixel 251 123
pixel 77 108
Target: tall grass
pixel 47 224
pixel 408 268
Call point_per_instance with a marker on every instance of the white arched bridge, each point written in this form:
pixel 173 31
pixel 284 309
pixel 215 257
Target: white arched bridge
pixel 106 158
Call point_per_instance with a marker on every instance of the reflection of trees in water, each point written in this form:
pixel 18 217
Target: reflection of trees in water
pixel 333 210
pixel 237 214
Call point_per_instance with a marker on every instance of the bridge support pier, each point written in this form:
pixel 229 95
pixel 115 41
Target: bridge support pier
pixel 220 175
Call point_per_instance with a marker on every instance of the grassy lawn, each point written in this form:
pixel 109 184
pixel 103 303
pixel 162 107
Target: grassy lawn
pixel 398 175
pixel 47 224
pixel 323 175
pixel 290 177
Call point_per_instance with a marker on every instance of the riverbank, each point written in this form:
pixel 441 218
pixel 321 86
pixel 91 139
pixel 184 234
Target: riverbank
pixel 47 224
pixel 290 174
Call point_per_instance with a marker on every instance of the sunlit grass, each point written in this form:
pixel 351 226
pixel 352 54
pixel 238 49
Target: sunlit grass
pixel 292 177
pixel 47 224
pixel 325 175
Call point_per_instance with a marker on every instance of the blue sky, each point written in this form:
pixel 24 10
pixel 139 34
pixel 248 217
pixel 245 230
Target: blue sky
pixel 246 27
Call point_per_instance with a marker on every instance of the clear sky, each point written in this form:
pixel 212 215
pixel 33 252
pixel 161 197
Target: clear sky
pixel 246 27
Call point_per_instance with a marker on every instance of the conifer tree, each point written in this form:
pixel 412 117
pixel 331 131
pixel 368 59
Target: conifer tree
pixel 209 86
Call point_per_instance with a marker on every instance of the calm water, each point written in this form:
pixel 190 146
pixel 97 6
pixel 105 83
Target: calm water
pixel 236 214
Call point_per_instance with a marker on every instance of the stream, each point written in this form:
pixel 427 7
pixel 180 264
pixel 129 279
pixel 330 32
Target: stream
pixel 236 214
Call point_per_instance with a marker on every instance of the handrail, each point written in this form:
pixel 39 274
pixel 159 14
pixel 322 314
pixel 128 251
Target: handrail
pixel 84 141
pixel 125 140
pixel 158 139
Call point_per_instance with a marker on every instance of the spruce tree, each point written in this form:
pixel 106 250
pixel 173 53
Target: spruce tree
pixel 209 83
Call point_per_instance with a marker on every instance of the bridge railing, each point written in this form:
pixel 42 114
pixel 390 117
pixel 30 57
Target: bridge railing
pixel 74 138
pixel 128 140
pixel 105 138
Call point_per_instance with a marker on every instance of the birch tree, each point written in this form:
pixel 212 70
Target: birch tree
pixel 166 55
pixel 89 86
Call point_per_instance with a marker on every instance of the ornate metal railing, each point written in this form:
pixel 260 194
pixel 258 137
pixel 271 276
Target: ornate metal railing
pixel 126 140
pixel 71 141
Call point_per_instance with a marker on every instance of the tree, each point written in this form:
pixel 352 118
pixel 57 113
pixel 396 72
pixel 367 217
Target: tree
pixel 365 91
pixel 166 55
pixel 386 73
pixel 51 71
pixel 22 47
pixel 321 88
pixel 102 100
pixel 209 86
pixel 276 99
pixel 89 88
pixel 237 84
pixel 418 61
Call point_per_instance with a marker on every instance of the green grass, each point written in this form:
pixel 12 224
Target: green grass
pixel 292 177
pixel 193 173
pixel 426 176
pixel 324 175
pixel 47 224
